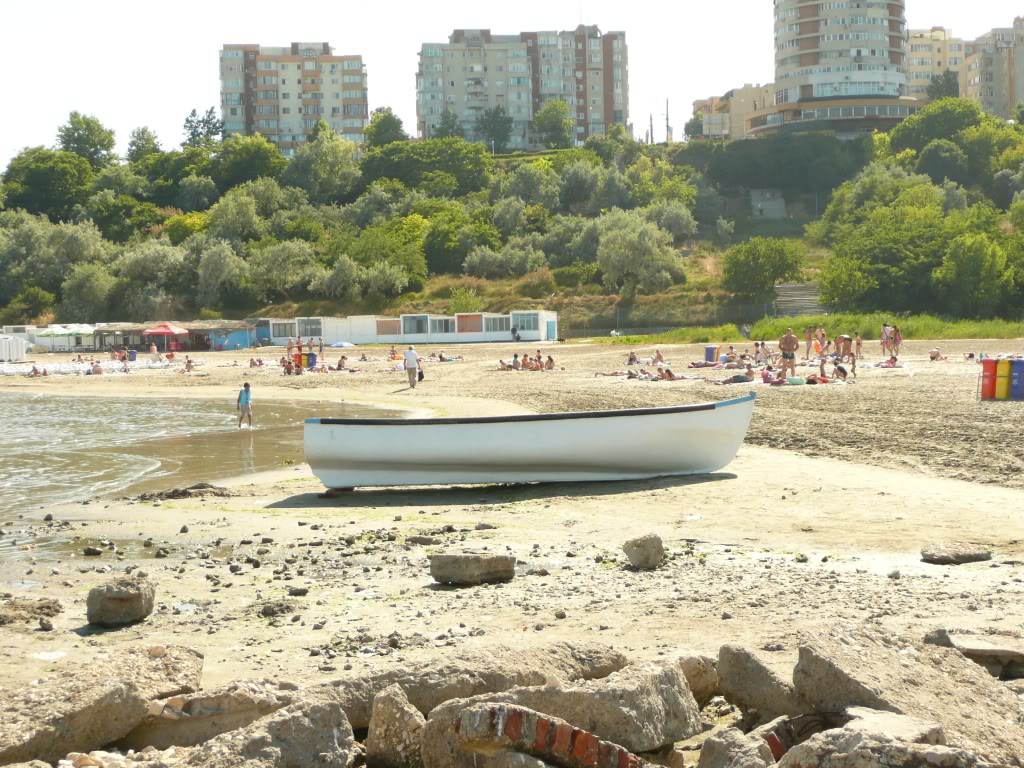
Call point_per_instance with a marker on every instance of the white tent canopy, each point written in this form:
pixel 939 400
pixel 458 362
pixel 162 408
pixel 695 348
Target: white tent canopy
pixel 68 330
pixel 12 349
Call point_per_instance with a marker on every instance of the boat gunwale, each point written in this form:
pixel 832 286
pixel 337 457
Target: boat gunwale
pixel 535 417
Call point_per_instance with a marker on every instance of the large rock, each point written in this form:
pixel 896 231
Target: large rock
pixel 748 682
pixel 731 749
pixel 863 667
pixel 396 731
pixel 955 553
pixel 642 708
pixel 428 684
pixel 472 568
pixel 98 703
pixel 844 748
pixel 185 721
pixel 646 552
pixel 122 600
pixel 888 726
pixel 701 675
pixel 76 713
pixel 1002 656
pixel 300 736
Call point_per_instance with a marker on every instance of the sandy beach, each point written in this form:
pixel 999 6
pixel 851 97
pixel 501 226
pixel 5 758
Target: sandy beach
pixel 821 519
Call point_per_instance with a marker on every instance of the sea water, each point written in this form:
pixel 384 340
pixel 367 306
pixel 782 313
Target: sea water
pixel 59 449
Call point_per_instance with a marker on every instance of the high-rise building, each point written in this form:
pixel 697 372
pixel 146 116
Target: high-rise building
pixel 283 92
pixel 727 117
pixel 932 52
pixel 477 70
pixel 839 66
pixel 993 70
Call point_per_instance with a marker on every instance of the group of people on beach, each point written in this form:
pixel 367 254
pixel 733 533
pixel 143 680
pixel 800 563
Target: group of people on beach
pixel 297 346
pixel 527 363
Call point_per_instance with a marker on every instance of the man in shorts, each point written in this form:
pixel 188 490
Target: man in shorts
pixel 245 405
pixel 412 365
pixel 789 345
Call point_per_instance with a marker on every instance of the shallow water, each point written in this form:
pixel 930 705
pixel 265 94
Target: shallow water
pixel 62 449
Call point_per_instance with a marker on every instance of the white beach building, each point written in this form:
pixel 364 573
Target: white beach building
pixel 473 327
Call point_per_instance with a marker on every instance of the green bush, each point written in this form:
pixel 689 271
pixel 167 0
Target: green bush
pixel 537 284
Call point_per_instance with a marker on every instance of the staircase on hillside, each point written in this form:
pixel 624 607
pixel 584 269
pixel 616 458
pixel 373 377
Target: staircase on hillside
pixel 798 300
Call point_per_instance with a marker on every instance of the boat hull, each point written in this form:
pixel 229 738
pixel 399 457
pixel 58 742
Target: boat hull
pixel 579 447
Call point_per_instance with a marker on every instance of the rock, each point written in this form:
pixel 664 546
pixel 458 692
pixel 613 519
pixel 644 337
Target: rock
pixel 509 759
pixel 955 553
pixel 646 552
pixel 300 736
pixel 862 667
pixel 748 682
pixel 843 748
pixel 887 726
pixel 45 624
pixel 160 671
pixel 472 568
pixel 92 551
pixel 122 600
pixel 184 529
pixel 76 713
pixel 298 591
pixel 731 749
pixel 701 675
pixel 30 764
pixel 396 730
pixel 486 728
pixel 642 707
pixel 429 684
pixel 1003 657
pixel 422 540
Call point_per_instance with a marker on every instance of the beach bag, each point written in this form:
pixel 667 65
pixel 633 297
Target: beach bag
pixel 419 376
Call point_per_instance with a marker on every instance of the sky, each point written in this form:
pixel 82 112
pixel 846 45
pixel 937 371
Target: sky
pixel 131 67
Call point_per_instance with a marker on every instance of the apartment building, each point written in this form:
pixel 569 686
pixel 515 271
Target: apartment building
pixel 728 116
pixel 282 93
pixel 932 52
pixel 993 70
pixel 477 70
pixel 839 67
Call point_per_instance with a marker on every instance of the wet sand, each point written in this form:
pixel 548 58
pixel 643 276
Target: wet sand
pixel 779 543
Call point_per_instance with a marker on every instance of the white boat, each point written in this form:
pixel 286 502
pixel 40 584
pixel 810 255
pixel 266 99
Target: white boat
pixel 548 447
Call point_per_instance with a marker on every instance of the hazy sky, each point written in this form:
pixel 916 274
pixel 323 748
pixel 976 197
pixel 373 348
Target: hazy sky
pixel 142 63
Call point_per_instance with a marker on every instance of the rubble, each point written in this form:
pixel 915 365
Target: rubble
pixel 747 681
pixel 396 730
pixel 844 748
pixel 730 748
pixel 15 610
pixel 122 600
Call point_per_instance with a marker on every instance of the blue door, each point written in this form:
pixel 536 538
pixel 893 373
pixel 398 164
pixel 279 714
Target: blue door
pixel 552 330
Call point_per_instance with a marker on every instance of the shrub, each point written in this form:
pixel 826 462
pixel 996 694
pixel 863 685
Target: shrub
pixel 537 284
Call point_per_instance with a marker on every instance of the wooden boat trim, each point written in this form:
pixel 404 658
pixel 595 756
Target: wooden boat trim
pixel 535 417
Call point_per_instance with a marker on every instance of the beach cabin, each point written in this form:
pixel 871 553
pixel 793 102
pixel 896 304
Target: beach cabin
pixel 220 335
pixel 330 329
pixel 13 349
pixel 277 331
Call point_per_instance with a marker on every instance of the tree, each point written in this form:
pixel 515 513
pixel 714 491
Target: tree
pixel 202 130
pixel 243 158
pixel 234 218
pixel 724 230
pixel 219 269
pixel 385 128
pixel 694 127
pixel 942 119
pixel 286 270
pixel 326 168
pixel 452 236
pixel 1018 115
pixel 382 281
pixel 944 86
pixel 196 193
pixel 753 269
pixel 517 258
pixel 86 292
pixel 635 255
pixel 342 282
pixel 941 160
pixel 142 142
pixel 410 161
pixel 494 126
pixel 464 300
pixel 974 277
pixel 535 183
pixel 121 180
pixel 47 181
pixel 29 305
pixel 580 181
pixel 180 228
pixel 675 218
pixel 86 137
pixel 554 124
pixel 448 127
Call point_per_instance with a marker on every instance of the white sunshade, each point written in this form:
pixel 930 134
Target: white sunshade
pixel 70 330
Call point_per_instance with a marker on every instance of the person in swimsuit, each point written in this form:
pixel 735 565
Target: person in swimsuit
pixel 789 345
pixel 245 405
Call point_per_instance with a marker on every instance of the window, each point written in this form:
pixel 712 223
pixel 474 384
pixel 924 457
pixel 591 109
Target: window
pixel 497 324
pixel 281 330
pixel 527 322
pixel 445 325
pixel 310 327
pixel 414 324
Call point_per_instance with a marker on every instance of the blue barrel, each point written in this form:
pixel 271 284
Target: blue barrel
pixel 711 353
pixel 312 359
pixel 1017 380
pixel 132 355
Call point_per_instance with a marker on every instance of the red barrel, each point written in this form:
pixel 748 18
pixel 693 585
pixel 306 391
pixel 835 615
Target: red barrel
pixel 988 379
pixel 297 359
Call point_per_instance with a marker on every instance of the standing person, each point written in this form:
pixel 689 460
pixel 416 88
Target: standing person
pixel 245 405
pixel 789 345
pixel 412 365
pixel 320 347
pixel 885 338
pixel 860 344
pixel 298 346
pixel 291 346
pixel 808 339
pixel 897 340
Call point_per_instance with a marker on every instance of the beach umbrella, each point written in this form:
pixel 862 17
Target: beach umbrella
pixel 53 331
pixel 165 329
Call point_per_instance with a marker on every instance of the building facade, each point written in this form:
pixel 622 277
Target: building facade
pixel 932 52
pixel 477 70
pixel 282 93
pixel 839 67
pixel 728 116
pixel 993 70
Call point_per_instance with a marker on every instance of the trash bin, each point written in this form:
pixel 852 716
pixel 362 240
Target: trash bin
pixel 311 359
pixel 1017 380
pixel 711 353
pixel 131 355
pixel 304 360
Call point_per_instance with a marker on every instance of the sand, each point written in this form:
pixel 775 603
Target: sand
pixel 837 489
